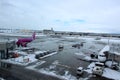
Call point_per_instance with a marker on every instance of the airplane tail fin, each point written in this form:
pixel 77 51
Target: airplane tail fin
pixel 33 36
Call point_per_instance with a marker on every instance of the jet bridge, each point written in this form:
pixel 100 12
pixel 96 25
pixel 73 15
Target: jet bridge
pixel 5 46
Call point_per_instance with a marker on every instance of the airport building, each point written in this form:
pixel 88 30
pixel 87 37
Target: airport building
pixel 5 46
pixel 48 31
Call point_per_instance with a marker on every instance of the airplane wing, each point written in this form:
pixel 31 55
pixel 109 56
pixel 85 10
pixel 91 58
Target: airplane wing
pixel 106 48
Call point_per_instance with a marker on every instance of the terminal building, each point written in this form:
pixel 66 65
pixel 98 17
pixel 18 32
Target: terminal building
pixel 5 46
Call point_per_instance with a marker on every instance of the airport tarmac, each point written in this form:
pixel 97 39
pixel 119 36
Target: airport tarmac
pixel 65 61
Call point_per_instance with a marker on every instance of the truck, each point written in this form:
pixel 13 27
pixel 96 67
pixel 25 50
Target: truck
pixel 98 68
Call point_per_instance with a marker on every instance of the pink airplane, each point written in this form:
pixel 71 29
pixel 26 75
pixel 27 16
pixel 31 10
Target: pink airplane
pixel 23 41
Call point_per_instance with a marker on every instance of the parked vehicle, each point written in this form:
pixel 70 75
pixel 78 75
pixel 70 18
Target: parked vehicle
pixel 13 55
pixel 60 47
pixel 43 54
pixel 98 69
pixel 39 55
pixel 76 45
pixel 79 70
pixel 51 51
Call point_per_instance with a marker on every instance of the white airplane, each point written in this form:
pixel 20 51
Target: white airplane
pixel 101 54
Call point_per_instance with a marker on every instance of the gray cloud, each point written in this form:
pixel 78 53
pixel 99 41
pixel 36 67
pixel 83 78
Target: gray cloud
pixel 72 15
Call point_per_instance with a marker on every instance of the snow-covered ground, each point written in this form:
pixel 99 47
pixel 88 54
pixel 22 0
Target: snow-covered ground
pixel 51 72
pixel 84 57
pixel 22 60
pixel 90 45
pixel 91 38
pixel 107 72
pixel 66 76
pixel 25 58
pixel 48 55
pixel 21 35
pixel 40 62
pixel 111 74
pixel 19 52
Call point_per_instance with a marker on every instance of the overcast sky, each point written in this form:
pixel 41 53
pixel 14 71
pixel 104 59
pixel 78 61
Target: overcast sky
pixel 62 15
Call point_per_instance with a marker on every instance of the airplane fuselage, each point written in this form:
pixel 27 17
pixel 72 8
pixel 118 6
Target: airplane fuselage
pixel 23 41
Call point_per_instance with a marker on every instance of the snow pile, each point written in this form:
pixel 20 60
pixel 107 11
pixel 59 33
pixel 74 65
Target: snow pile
pixel 22 60
pixel 87 58
pixel 19 52
pixel 87 38
pixel 66 76
pixel 49 54
pixel 51 72
pixel 38 52
pixel 35 65
pixel 87 78
pixel 110 40
pixel 111 74
pixel 80 54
